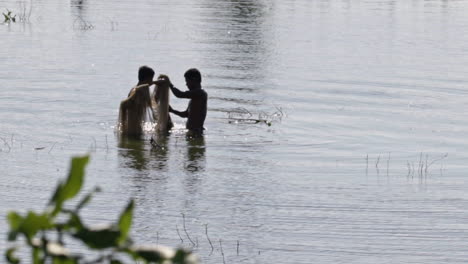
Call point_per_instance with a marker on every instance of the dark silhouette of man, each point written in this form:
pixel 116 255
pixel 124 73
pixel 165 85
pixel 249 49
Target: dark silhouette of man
pixel 197 107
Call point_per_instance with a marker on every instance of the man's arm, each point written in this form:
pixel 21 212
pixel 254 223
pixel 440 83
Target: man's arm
pixel 138 88
pixel 140 91
pixel 183 114
pixel 179 94
pixel 125 104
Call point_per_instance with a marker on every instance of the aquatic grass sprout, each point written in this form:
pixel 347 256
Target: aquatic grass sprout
pixel 44 232
pixel 23 15
pixel 9 17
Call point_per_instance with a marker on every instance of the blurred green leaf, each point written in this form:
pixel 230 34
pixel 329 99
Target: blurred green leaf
pixel 99 238
pixel 11 258
pixel 183 256
pixel 64 260
pixel 12 235
pixel 125 221
pixel 152 253
pixel 72 185
pixel 56 197
pixel 74 223
pixel 87 199
pixel 75 177
pixel 15 220
pixel 36 255
pixel 28 225
pixel 150 256
pixel 179 258
pixel 116 261
pixel 33 223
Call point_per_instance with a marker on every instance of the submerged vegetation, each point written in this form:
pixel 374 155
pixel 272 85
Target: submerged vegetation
pixel 47 233
pixel 22 15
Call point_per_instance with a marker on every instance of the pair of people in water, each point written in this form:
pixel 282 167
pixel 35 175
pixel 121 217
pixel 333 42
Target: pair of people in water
pixel 141 105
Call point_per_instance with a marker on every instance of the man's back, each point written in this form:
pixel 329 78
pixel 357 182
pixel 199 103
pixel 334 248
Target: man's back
pixel 133 110
pixel 197 109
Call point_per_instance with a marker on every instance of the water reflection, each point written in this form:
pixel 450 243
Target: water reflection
pixel 239 38
pixel 160 150
pixel 81 16
pixel 134 153
pixel 195 154
pixel 142 154
pixel 79 6
pixel 154 165
pixel 194 166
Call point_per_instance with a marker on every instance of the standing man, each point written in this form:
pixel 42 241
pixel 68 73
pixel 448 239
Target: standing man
pixel 133 110
pixel 197 107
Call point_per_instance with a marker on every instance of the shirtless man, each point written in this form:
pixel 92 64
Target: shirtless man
pixel 197 107
pixel 133 109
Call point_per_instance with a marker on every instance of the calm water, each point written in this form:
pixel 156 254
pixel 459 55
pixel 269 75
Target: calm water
pixel 362 97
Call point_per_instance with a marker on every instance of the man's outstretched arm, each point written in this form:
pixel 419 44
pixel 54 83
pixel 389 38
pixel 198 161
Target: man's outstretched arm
pixel 179 94
pixel 183 114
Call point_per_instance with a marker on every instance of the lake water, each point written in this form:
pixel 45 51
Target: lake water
pixel 364 161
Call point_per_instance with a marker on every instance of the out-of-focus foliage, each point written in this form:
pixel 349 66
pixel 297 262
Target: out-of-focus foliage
pixel 45 232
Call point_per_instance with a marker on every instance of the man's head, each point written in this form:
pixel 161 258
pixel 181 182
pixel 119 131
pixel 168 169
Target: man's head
pixel 193 78
pixel 145 74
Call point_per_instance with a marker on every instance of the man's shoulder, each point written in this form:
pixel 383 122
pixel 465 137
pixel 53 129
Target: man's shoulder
pixel 132 91
pixel 202 93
